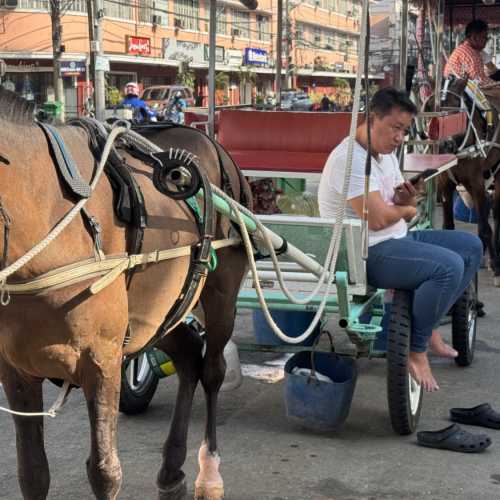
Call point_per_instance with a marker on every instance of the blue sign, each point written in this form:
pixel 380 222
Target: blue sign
pixel 72 68
pixel 257 57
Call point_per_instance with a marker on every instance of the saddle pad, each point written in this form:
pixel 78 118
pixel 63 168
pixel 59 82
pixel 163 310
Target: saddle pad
pixel 65 163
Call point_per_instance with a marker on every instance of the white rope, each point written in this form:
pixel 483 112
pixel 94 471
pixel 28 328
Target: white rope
pixel 56 231
pixel 332 254
pixel 52 411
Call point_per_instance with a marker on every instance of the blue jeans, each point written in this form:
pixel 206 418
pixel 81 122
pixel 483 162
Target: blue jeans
pixel 437 266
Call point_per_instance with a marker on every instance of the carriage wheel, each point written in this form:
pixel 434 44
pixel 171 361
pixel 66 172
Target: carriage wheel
pixel 404 394
pixel 464 325
pixel 138 386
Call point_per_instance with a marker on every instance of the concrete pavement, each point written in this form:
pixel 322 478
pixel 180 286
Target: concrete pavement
pixel 264 457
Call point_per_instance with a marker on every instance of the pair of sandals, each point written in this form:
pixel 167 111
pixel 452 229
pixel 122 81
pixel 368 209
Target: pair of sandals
pixel 457 439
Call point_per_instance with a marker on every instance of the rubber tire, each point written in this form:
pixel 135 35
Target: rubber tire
pixel 464 310
pixel 403 420
pixel 135 400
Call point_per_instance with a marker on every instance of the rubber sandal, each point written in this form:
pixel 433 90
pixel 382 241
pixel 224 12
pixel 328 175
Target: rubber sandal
pixel 483 415
pixel 454 438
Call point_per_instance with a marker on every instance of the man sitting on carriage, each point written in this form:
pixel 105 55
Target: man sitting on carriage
pixel 468 61
pixel 435 267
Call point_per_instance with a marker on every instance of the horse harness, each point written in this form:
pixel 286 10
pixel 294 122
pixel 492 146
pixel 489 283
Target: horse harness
pixel 130 208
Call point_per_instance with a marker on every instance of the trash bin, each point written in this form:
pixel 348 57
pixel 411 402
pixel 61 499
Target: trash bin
pixel 53 109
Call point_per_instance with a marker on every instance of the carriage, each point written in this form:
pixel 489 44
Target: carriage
pixel 98 369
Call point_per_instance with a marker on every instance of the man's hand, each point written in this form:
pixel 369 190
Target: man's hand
pixel 405 194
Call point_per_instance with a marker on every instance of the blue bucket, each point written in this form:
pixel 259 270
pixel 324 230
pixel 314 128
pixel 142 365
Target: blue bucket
pixel 318 403
pixel 293 323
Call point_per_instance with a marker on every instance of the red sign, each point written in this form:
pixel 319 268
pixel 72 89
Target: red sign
pixel 138 45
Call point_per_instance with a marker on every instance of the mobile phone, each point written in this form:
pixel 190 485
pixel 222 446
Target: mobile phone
pixel 426 175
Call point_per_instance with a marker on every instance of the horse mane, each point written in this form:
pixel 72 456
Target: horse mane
pixel 15 109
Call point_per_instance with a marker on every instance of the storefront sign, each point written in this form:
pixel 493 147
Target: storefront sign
pixel 219 54
pixel 257 57
pixel 138 45
pixel 178 50
pixel 72 68
pixel 234 57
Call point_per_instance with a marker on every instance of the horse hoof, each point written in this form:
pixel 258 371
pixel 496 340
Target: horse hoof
pixel 209 493
pixel 177 491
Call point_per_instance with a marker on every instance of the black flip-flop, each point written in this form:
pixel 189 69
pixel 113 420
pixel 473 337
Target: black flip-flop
pixel 454 438
pixel 483 415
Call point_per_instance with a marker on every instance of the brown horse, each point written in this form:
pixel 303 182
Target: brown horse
pixel 72 335
pixel 471 173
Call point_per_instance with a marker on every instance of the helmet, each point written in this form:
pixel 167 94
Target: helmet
pixel 132 89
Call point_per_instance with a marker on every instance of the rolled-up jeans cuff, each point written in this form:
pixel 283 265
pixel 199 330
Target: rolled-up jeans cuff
pixel 419 344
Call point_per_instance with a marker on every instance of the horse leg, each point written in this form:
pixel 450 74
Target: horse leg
pixel 446 190
pixel 184 346
pixel 26 396
pixel 102 376
pixel 484 230
pixel 496 233
pixel 219 304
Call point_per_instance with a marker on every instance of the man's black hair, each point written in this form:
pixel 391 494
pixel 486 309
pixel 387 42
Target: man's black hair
pixel 388 98
pixel 475 27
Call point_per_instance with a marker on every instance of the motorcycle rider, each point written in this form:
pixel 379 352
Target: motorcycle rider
pixel 141 110
pixel 175 109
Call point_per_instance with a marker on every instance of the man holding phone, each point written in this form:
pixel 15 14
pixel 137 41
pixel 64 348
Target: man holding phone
pixel 436 266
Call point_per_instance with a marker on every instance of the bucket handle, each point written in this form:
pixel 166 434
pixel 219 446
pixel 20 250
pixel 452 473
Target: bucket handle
pixel 312 377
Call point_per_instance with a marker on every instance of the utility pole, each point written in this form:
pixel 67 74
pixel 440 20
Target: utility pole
pixel 96 15
pixel 288 43
pixel 279 38
pixel 211 67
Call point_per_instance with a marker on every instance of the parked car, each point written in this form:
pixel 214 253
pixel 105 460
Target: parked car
pixel 296 101
pixel 159 96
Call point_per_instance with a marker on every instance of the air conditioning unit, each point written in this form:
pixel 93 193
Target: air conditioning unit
pixel 8 4
pixel 156 19
pixel 178 23
pixel 235 32
pixel 329 46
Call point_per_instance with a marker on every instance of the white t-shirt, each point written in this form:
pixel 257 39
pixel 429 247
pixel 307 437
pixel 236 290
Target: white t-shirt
pixel 385 176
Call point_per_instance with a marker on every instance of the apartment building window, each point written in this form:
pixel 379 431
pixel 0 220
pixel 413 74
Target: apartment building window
pixel 241 24
pixel 77 6
pixel 118 10
pixel 74 6
pixel 263 28
pixel 301 34
pixel 34 4
pixel 221 21
pixel 188 13
pixel 317 37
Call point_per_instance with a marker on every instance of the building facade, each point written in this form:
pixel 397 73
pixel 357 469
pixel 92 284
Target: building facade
pixel 152 45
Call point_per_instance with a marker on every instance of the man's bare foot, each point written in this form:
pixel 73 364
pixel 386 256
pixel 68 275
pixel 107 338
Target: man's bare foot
pixel 439 347
pixel 420 370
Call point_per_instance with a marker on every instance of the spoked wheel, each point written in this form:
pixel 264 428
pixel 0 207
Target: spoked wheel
pixel 404 394
pixel 464 325
pixel 139 384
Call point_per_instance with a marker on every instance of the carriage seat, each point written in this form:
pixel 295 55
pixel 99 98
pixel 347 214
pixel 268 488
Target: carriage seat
pixel 282 142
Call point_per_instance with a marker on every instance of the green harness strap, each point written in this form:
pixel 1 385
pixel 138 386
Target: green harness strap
pixel 193 204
